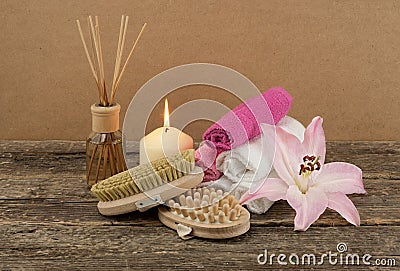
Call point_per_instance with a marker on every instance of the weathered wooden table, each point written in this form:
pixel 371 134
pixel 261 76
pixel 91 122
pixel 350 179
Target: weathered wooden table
pixel 49 220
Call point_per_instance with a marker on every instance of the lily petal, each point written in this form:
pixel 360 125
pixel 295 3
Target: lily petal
pixel 340 177
pixel 314 139
pixel 273 189
pixel 308 206
pixel 288 155
pixel 344 206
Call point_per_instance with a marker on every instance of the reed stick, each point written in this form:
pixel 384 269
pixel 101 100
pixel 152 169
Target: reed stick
pixel 120 53
pixel 112 161
pixel 105 163
pixel 122 43
pixel 119 163
pixel 112 156
pixel 86 51
pixel 123 163
pixel 127 61
pixel 103 82
pixel 91 162
pixel 120 156
pixel 99 163
pixel 93 57
pixel 94 37
pixel 121 29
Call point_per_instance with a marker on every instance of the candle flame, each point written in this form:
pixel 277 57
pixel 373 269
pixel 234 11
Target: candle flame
pixel 166 114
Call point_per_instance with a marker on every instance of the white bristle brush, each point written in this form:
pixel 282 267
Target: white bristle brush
pixel 208 213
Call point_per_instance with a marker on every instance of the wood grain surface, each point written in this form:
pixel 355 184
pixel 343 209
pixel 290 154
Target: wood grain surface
pixel 49 220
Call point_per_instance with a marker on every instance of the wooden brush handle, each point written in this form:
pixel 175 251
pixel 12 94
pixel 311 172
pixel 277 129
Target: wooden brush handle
pixel 163 193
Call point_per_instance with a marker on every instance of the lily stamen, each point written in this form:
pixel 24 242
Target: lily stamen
pixel 311 163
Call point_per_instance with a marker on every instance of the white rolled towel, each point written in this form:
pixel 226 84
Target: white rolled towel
pixel 249 165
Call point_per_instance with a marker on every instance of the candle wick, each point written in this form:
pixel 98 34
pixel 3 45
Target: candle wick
pixel 166 129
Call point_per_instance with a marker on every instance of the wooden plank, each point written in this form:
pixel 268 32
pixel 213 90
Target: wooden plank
pixel 48 158
pixel 48 146
pixel 36 165
pixel 76 189
pixel 63 188
pixel 68 201
pixel 59 247
pixel 64 146
pixel 67 159
pixel 79 213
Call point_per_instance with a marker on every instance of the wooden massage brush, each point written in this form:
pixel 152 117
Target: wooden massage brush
pixel 206 213
pixel 147 185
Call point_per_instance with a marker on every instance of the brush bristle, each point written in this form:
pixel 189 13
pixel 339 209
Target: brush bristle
pixel 145 177
pixel 206 206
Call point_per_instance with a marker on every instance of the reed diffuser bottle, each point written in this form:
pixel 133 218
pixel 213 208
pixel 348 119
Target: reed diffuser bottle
pixel 104 155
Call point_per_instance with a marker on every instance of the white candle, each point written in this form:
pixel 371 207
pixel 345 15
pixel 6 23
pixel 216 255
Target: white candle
pixel 164 141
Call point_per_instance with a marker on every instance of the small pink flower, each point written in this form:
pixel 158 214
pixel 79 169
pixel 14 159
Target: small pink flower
pixel 305 182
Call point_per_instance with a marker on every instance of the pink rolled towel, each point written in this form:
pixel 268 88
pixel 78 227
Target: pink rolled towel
pixel 241 125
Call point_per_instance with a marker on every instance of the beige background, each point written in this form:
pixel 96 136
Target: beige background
pixel 339 59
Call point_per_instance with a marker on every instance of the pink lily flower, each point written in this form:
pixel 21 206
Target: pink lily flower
pixel 305 182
